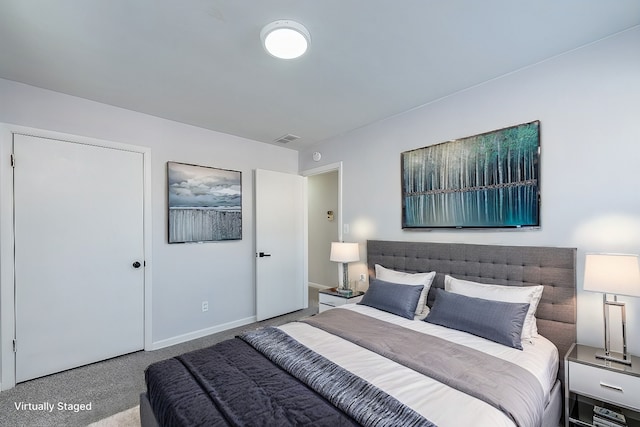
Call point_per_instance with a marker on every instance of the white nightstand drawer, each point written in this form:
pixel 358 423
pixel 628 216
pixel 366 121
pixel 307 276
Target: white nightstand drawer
pixel 328 301
pixel 333 300
pixel 604 384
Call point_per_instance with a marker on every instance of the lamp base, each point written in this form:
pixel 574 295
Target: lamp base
pixel 624 360
pixel 345 277
pixel 345 292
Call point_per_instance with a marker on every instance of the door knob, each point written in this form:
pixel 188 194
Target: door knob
pixel 136 264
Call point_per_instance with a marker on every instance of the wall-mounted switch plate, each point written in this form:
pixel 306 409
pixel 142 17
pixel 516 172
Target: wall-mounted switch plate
pixel 205 306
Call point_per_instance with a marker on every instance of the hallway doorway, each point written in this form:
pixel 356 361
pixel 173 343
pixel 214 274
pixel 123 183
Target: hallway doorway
pixel 325 223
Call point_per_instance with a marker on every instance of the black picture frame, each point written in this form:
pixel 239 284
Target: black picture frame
pixel 490 180
pixel 204 203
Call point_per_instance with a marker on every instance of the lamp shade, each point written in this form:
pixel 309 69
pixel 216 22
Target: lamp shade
pixel 344 252
pixel 617 274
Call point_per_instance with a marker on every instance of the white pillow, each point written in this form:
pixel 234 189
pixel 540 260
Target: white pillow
pixel 520 294
pixel 402 278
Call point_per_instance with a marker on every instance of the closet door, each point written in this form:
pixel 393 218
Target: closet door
pixel 79 254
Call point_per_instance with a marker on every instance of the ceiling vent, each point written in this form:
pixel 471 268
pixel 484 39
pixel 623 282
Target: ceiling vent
pixel 285 139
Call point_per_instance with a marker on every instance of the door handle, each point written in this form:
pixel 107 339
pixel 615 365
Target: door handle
pixel 136 264
pixel 262 254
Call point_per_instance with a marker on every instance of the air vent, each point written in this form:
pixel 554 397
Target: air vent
pixel 285 139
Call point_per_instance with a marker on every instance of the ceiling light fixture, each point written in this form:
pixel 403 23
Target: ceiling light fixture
pixel 285 39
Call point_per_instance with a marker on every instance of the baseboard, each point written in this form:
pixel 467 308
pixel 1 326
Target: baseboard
pixel 213 330
pixel 318 286
pixel 201 333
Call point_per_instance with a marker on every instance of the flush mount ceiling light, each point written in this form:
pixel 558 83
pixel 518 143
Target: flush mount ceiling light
pixel 285 39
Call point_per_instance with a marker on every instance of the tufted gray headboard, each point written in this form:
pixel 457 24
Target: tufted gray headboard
pixel 554 268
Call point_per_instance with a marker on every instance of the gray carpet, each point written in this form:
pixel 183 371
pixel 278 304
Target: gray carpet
pixel 110 386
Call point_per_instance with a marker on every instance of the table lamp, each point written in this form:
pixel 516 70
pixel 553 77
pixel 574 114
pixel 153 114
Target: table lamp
pixel 616 274
pixel 345 253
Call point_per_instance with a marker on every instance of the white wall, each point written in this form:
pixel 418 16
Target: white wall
pixel 588 102
pixel 184 275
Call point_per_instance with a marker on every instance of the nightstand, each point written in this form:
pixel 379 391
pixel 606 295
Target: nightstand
pixel 590 381
pixel 330 298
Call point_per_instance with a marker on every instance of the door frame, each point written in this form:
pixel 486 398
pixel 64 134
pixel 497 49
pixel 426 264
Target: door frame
pixel 331 167
pixel 7 242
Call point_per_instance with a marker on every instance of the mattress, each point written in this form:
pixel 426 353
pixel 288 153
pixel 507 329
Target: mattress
pixel 232 384
pixel 426 396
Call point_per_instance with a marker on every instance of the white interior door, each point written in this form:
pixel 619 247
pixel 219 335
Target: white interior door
pixel 79 297
pixel 281 243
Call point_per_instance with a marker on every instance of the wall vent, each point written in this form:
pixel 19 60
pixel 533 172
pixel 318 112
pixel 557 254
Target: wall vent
pixel 285 139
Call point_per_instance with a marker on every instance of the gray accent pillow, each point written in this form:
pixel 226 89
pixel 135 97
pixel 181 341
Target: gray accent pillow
pixel 494 320
pixel 386 296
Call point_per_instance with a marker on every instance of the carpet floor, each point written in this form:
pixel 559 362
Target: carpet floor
pixel 104 388
pixel 128 418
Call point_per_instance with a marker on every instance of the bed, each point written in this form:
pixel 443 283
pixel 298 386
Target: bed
pixel 369 364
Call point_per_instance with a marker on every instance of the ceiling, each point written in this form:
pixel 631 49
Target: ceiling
pixel 201 62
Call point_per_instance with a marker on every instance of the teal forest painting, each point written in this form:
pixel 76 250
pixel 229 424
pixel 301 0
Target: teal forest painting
pixel 205 203
pixel 482 181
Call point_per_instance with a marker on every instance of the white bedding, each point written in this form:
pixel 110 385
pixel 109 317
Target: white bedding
pixel 437 402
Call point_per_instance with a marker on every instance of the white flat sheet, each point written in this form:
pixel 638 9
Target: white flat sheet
pixel 437 402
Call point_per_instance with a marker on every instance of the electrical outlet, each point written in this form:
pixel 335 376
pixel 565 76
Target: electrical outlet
pixel 362 277
pixel 205 306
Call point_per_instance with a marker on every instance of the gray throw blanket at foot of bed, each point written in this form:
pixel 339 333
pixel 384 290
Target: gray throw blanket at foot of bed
pixel 231 384
pixel 365 403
